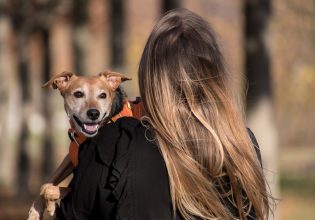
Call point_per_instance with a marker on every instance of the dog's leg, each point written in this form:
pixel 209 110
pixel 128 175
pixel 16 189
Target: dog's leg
pixel 48 198
pixel 64 170
pixel 52 194
pixel 40 203
pixel 37 209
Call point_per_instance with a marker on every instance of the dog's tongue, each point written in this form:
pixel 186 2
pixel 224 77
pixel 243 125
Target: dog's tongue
pixel 91 127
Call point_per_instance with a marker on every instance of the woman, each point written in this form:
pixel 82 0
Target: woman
pixel 190 158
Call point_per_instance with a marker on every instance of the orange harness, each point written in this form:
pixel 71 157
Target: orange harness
pixel 77 138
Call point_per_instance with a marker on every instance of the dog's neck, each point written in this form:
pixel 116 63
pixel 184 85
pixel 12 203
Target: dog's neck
pixel 118 103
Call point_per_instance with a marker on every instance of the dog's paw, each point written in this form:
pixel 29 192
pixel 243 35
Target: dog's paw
pixel 51 194
pixel 45 186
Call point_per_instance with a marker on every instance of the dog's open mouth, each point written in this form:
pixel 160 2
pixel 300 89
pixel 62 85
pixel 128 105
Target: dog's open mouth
pixel 88 128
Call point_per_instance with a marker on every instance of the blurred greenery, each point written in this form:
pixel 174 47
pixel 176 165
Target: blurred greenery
pixel 296 206
pixel 299 186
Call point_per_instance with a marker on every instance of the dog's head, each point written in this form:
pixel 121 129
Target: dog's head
pixel 87 99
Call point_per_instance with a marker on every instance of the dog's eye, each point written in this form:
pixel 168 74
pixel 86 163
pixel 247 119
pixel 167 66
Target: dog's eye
pixel 78 94
pixel 102 95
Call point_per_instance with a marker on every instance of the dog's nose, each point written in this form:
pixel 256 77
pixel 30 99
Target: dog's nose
pixel 93 114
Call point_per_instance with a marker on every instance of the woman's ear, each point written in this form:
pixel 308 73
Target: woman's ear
pixel 114 79
pixel 60 81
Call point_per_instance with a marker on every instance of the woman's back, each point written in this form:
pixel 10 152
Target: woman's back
pixel 201 134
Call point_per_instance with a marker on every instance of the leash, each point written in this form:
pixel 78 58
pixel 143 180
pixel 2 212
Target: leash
pixel 77 138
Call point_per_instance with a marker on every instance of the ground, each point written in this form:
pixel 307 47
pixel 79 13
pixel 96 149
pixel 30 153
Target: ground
pixel 297 183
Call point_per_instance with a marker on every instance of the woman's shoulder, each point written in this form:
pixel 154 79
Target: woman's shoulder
pixel 141 149
pixel 128 123
pixel 136 129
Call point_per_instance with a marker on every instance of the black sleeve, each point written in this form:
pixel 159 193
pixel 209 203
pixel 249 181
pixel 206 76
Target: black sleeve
pixel 79 203
pixel 255 143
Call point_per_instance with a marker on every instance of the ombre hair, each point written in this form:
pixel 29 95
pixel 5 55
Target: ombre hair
pixel 213 168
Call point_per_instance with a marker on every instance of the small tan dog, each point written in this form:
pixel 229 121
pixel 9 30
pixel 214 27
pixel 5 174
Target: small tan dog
pixel 89 102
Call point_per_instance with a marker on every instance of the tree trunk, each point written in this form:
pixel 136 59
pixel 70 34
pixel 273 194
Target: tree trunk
pixel 140 17
pixel 117 34
pixel 97 36
pixel 170 4
pixel 10 111
pixel 260 109
pixel 47 144
pixel 23 74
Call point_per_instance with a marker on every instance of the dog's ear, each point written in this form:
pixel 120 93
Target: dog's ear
pixel 60 80
pixel 114 79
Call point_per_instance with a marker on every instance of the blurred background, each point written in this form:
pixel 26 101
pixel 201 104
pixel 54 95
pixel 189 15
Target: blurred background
pixel 269 48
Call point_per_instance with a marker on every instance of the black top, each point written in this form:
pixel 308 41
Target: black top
pixel 121 175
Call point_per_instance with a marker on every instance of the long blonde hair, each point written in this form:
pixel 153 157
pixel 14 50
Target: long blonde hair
pixel 212 165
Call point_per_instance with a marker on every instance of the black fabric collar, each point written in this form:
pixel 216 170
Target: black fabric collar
pixel 106 142
pixel 108 136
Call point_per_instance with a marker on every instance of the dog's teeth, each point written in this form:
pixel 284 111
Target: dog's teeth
pixel 91 128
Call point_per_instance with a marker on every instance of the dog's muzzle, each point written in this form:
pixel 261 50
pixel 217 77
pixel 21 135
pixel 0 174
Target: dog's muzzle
pixel 88 129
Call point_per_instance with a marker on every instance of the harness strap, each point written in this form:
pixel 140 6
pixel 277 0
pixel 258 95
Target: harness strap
pixel 77 138
pixel 137 108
